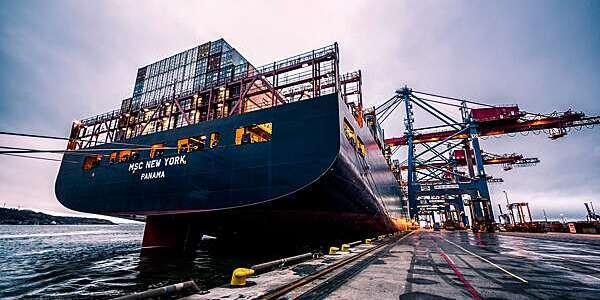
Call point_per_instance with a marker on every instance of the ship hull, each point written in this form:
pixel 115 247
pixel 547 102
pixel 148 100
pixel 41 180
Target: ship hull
pixel 309 182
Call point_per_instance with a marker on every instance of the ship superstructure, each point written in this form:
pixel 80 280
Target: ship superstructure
pixel 213 81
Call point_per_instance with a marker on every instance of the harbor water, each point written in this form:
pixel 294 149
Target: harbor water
pixel 100 261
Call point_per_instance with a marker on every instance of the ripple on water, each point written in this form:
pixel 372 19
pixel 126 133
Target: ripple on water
pixel 98 261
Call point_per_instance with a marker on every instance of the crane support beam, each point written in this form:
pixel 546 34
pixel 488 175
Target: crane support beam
pixel 564 120
pixel 511 159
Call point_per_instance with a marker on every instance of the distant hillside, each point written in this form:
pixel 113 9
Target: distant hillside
pixel 11 216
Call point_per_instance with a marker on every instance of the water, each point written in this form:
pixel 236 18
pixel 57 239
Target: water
pixel 100 261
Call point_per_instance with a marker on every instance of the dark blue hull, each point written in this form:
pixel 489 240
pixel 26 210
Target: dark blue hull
pixel 308 179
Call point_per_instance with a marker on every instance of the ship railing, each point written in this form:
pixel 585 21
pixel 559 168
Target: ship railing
pixel 299 59
pixel 350 77
pixel 101 118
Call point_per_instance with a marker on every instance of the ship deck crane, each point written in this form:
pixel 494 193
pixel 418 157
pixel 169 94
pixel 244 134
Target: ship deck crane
pixel 427 146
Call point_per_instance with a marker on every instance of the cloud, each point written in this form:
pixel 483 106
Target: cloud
pixel 69 59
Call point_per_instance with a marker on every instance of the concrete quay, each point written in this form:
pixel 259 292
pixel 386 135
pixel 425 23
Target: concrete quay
pixel 443 265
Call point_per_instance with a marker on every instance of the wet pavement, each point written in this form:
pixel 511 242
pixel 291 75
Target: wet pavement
pixel 459 265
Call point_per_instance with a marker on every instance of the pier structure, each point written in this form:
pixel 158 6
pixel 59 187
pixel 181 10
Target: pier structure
pixel 432 265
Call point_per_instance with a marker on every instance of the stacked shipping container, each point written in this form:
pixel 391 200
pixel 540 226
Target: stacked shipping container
pixel 191 70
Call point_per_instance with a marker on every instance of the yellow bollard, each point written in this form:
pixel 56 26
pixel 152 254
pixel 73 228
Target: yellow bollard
pixel 333 250
pixel 368 241
pixel 345 247
pixel 238 278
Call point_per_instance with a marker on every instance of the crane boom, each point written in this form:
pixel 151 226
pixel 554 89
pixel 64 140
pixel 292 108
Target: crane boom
pixel 505 126
pixel 488 159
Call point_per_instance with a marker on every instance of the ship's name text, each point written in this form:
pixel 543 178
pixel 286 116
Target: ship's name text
pixel 156 163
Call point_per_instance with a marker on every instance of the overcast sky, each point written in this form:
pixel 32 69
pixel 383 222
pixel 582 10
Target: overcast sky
pixel 65 60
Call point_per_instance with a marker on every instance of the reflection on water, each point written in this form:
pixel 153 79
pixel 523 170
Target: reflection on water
pixel 103 261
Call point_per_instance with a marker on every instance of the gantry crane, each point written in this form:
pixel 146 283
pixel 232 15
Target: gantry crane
pixel 459 159
pixel 511 223
pixel 431 175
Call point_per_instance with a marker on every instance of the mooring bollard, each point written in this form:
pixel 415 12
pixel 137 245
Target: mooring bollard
pixel 162 291
pixel 345 247
pixel 333 250
pixel 238 278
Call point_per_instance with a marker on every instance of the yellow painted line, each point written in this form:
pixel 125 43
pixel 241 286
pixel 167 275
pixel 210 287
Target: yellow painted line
pixel 489 262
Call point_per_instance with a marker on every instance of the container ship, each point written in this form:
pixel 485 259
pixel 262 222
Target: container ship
pixel 210 144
